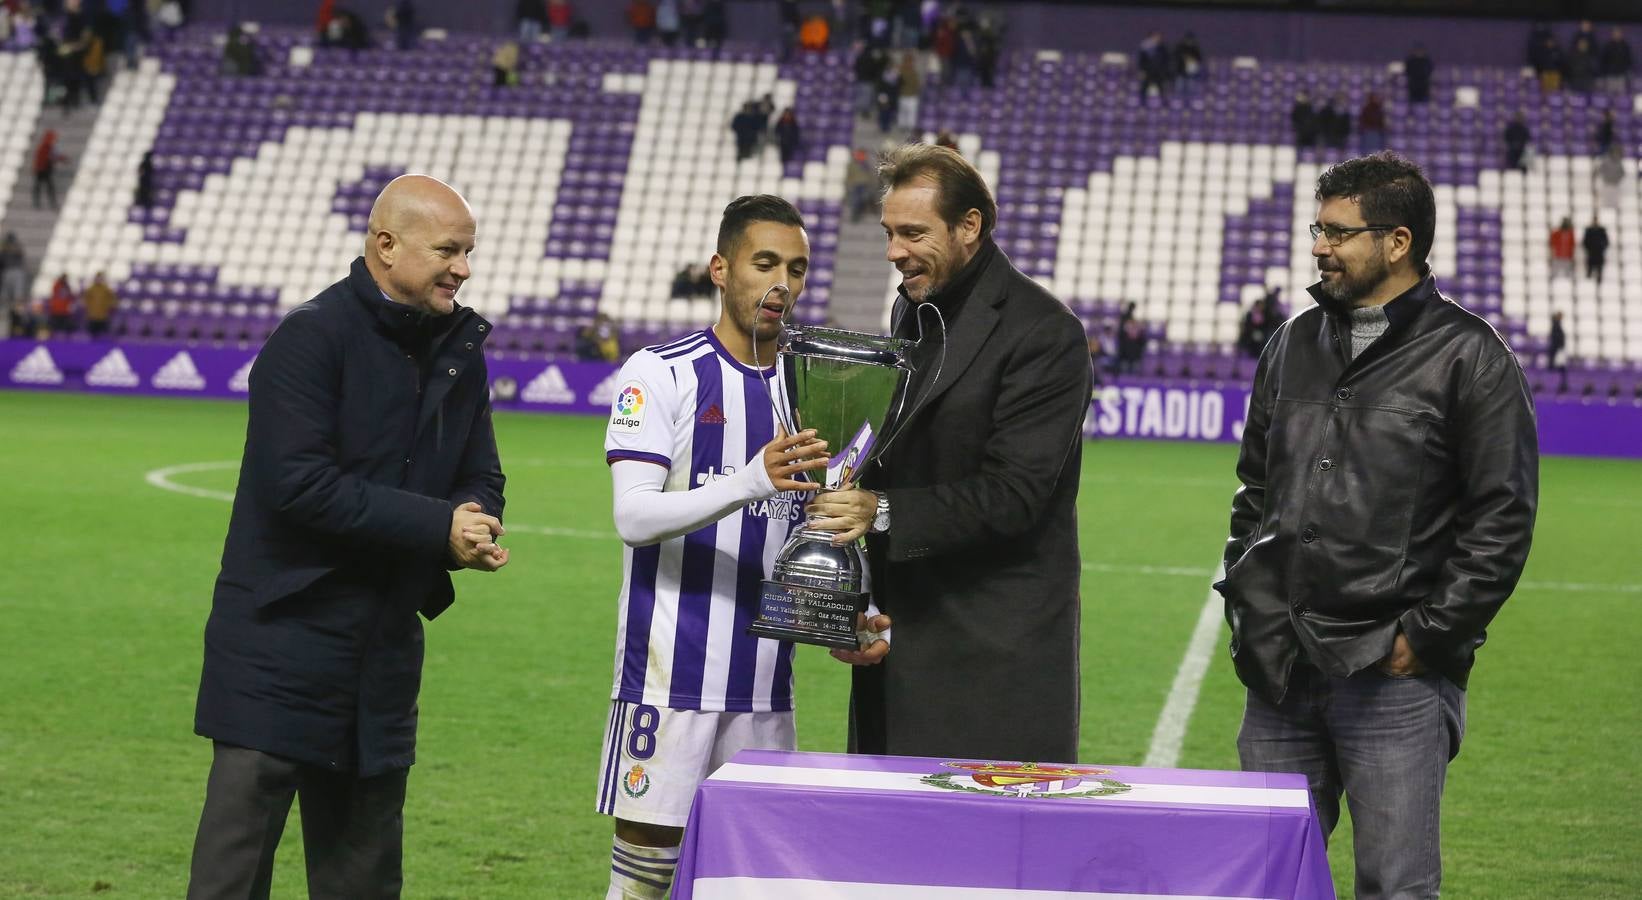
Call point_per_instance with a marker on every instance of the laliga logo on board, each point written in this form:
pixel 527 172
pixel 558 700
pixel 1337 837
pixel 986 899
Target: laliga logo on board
pixel 1027 780
pixel 604 391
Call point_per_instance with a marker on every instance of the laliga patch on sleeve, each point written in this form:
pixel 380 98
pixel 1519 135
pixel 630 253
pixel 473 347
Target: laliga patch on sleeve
pixel 627 410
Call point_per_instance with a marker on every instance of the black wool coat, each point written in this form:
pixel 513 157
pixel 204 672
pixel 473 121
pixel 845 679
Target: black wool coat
pixel 980 566
pixel 367 426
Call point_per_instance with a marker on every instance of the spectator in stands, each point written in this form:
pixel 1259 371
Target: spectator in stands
pixel 1616 62
pixel 559 18
pixel 1102 352
pixel 1417 73
pixel 1131 345
pixel 1537 33
pixel 1258 323
pixel 748 127
pixel 46 159
pixel 1609 176
pixel 171 16
pixel 1562 249
pixel 987 41
pixel 100 302
pixel 1582 64
pixel 963 49
pixel 239 55
pixel 692 281
pixel 1371 125
pixel 1606 133
pixel 531 16
pixel 1304 119
pixel 945 138
pixel 143 197
pixel 598 340
pixel 869 68
pixel 14 297
pixel 791 19
pixel 859 180
pixel 322 18
pixel 1595 242
pixel 943 42
pixel 60 306
pixel 51 65
pixel 667 21
pixel 1188 61
pixel 1554 348
pixel 1516 142
pixel 715 23
pixel 910 86
pixel 94 64
pixel 1156 69
pixel 347 31
pixel 641 17
pixel 1549 63
pixel 889 99
pixel 75 34
pixel 1335 122
pixel 788 136
pixel 504 65
pixel 692 13
pixel 815 34
pixel 401 20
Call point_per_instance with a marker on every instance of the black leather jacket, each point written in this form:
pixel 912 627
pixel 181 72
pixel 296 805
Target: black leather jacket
pixel 1394 490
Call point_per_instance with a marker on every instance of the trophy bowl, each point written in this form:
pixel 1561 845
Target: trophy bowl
pixel 841 384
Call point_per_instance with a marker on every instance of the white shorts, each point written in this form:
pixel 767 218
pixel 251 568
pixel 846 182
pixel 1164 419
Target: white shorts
pixel 655 757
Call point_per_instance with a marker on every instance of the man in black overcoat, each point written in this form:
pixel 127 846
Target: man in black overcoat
pixel 970 509
pixel 370 471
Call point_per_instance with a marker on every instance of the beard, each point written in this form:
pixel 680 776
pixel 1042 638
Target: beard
pixel 1348 287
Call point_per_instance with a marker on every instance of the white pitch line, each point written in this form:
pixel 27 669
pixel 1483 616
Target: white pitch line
pixel 561 532
pixel 1170 733
pixel 1169 571
pixel 161 478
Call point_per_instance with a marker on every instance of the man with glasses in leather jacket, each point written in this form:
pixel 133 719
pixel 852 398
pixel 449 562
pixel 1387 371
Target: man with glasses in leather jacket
pixel 1389 475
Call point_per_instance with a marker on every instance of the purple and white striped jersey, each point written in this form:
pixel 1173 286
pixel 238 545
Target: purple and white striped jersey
pixel 681 637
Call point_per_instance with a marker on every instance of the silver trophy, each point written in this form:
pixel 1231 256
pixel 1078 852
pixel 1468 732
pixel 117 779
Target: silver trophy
pixel 842 384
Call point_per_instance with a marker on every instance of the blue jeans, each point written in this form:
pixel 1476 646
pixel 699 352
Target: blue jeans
pixel 1385 742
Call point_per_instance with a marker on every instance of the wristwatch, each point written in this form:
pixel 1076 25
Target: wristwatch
pixel 880 521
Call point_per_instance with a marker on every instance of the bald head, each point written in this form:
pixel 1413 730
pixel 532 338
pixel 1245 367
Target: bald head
pixel 413 199
pixel 419 237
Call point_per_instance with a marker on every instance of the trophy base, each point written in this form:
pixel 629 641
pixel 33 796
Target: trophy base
pixel 808 615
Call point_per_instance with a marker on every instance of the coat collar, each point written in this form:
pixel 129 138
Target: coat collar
pixel 975 315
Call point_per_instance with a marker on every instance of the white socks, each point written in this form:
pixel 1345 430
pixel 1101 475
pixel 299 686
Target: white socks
pixel 640 873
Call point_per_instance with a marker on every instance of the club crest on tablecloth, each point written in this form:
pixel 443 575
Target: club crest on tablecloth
pixel 1027 779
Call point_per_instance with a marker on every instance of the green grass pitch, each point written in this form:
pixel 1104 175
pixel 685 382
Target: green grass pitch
pixel 108 580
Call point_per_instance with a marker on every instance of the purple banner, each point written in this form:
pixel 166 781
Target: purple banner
pixel 824 825
pixel 1135 408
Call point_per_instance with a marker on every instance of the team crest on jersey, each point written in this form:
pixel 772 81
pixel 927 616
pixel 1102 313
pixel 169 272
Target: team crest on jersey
pixel 636 783
pixel 627 410
pixel 1027 780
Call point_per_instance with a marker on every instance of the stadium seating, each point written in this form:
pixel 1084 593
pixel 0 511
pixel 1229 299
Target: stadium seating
pixel 21 91
pixel 594 180
pixel 605 170
pixel 1189 205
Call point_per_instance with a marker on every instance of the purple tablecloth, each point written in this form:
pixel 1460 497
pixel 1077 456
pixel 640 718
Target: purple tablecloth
pixel 804 826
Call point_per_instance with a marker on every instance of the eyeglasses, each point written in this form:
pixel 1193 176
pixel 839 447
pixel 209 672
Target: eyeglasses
pixel 1339 234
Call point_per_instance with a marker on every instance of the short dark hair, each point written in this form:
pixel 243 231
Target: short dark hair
pixel 1390 190
pixel 959 185
pixel 746 210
